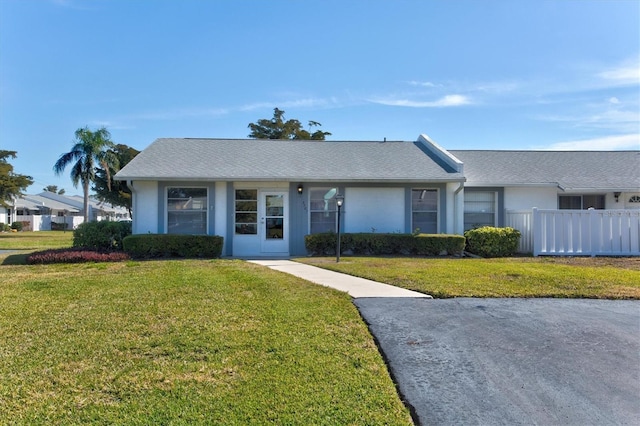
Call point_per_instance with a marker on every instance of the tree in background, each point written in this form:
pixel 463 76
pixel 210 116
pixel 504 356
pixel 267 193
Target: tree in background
pixel 277 128
pixel 11 184
pixel 115 192
pixel 54 189
pixel 90 149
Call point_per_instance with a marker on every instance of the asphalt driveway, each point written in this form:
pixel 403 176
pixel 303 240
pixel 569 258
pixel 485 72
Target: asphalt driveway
pixel 512 361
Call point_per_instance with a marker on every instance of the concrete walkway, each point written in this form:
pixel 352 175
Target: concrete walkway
pixel 354 286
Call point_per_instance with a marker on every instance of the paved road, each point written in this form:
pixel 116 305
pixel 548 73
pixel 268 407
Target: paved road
pixel 512 361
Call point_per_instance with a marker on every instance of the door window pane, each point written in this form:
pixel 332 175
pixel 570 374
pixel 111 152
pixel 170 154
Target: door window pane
pixel 274 217
pixel 274 228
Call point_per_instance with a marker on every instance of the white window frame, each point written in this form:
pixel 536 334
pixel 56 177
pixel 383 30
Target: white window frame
pixel 582 205
pixel 436 211
pixel 329 208
pixel 204 208
pixel 256 200
pixel 494 212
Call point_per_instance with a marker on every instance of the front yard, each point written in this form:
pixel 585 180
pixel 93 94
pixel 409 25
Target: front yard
pixel 224 341
pixel 604 278
pixel 185 342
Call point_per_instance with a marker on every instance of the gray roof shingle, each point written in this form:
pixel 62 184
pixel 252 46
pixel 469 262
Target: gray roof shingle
pixel 278 160
pixel 570 170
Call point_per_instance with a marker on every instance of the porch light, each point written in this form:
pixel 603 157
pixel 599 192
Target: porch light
pixel 300 188
pixel 339 202
pixel 616 195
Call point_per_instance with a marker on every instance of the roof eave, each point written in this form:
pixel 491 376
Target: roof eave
pixel 294 179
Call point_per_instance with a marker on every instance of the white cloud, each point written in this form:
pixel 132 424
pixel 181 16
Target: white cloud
pixel 614 100
pixel 606 143
pixel 423 83
pixel 445 101
pixel 628 74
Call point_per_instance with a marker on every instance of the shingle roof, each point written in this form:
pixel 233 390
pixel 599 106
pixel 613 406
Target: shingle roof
pixel 36 202
pixel 277 160
pixel 570 170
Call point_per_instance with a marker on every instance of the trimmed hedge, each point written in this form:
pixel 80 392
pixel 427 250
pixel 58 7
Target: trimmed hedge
pixel 59 226
pixel 169 245
pixel 488 241
pixel 385 244
pixel 17 226
pixel 76 255
pixel 103 235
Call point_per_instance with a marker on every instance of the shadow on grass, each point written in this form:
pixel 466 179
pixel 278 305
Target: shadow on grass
pixel 16 259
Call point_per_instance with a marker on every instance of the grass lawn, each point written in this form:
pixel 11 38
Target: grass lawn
pixel 184 342
pixel 40 240
pixel 508 277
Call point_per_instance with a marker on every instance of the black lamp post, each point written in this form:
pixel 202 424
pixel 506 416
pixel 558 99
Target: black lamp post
pixel 339 202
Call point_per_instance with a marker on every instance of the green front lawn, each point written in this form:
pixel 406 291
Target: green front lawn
pixel 40 240
pixel 508 277
pixel 185 342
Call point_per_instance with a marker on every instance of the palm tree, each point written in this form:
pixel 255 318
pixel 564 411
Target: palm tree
pixel 89 150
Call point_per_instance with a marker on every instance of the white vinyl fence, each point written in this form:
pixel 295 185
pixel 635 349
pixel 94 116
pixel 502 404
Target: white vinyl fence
pixel 522 220
pixel 586 232
pixel 43 222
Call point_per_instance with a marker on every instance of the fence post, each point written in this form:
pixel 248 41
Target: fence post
pixel 537 231
pixel 594 232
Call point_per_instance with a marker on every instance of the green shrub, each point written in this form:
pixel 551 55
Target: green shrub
pixel 59 226
pixel 17 226
pixel 385 244
pixel 4 227
pixel 488 241
pixel 168 245
pixel 102 235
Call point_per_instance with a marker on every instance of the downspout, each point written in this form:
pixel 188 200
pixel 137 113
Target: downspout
pixel 456 221
pixel 133 207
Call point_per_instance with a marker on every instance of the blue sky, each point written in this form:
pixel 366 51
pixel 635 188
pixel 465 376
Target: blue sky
pixel 471 74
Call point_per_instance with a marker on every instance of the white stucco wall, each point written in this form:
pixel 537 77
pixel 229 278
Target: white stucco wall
pixel 623 200
pixel 379 208
pixel 455 209
pixel 220 209
pixel 523 198
pixel 145 207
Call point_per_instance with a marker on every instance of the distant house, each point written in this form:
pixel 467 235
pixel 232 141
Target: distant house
pixel 264 196
pixel 46 208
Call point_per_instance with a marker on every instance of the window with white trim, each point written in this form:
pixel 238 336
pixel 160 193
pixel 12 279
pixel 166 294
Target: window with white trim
pixel 322 210
pixel 581 202
pixel 246 211
pixel 479 209
pixel 187 210
pixel 424 210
